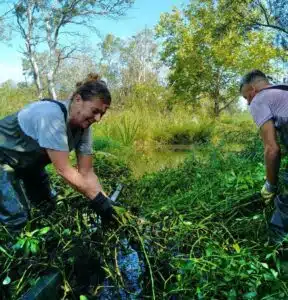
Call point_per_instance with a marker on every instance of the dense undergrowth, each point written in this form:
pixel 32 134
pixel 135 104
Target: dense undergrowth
pixel 201 228
pixel 209 228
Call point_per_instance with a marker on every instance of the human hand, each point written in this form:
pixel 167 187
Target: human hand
pixel 102 205
pixel 268 192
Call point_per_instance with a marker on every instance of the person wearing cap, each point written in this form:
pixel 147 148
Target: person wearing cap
pixel 42 133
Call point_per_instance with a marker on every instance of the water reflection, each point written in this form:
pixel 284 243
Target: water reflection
pixel 152 160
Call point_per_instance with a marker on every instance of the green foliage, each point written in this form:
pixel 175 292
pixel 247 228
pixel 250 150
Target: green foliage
pixel 184 133
pixel 124 131
pixel 13 98
pixel 127 130
pixel 145 121
pixel 194 175
pixel 201 227
pixel 29 242
pixel 105 143
pixel 111 170
pixel 36 21
pixel 207 50
pixel 204 215
pixel 128 63
pixel 261 15
pixel 149 97
pixel 235 131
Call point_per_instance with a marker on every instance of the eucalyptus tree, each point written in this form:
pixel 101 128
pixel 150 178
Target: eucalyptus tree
pixel 46 24
pixel 129 62
pixel 109 63
pixel 139 58
pixel 28 27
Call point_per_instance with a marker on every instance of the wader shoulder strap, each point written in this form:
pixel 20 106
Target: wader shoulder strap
pixel 61 105
pixel 64 110
pixel 277 87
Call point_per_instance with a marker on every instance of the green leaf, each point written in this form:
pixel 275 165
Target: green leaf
pixel 46 285
pixel 237 247
pixel 44 230
pixel 30 234
pixel 20 243
pixel 34 247
pixel 209 251
pixel 250 295
pixel 275 274
pixel 6 281
pixel 26 248
pixel 265 265
pixel 232 295
pixel 5 252
pixel 66 231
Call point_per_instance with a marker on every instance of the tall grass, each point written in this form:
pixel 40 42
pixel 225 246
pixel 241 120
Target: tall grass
pixel 201 224
pixel 123 128
pixel 13 98
pixel 152 126
pixel 207 228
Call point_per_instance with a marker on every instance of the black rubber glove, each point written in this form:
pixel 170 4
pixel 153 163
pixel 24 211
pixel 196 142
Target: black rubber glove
pixel 103 207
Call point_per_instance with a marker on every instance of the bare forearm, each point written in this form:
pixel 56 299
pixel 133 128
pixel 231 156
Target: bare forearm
pixel 89 186
pixel 272 161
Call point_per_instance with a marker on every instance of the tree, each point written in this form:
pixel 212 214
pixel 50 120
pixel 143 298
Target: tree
pixel 127 63
pixel 109 62
pixel 261 14
pixel 74 70
pixel 207 51
pixel 265 16
pixel 5 29
pixel 139 58
pixel 42 21
pixel 27 27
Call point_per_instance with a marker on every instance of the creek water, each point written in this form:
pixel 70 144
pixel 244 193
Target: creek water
pixel 153 160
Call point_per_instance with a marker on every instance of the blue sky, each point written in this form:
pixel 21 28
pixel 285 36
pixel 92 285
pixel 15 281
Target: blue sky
pixel 144 13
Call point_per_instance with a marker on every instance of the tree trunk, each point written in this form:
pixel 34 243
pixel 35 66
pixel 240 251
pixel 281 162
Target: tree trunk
pixel 36 75
pixel 52 66
pixel 216 107
pixel 27 32
pixel 51 85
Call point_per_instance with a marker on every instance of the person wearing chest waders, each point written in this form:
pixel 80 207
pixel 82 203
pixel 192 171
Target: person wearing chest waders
pixel 42 133
pixel 269 108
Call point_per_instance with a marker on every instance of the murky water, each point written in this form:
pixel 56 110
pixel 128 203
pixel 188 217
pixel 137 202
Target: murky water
pixel 154 160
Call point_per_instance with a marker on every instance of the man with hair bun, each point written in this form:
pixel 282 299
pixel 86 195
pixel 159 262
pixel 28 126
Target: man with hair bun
pixel 42 133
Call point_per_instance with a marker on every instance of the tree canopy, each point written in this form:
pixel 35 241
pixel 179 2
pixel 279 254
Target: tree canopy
pixel 207 50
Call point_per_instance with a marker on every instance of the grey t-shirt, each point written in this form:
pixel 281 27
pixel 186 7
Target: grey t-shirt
pixel 272 104
pixel 41 125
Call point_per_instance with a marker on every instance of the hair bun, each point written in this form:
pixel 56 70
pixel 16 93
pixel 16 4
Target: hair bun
pixel 91 77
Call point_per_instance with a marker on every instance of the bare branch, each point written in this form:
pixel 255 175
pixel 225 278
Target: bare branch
pixel 279 28
pixel 227 104
pixel 61 57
